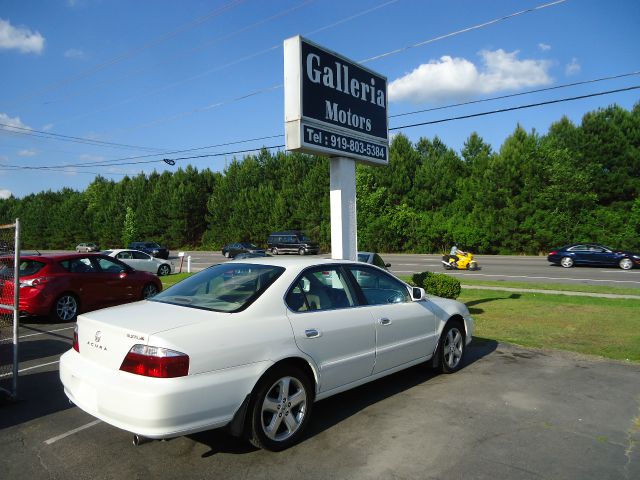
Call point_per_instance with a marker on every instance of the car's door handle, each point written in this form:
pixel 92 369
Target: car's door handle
pixel 312 333
pixel 384 321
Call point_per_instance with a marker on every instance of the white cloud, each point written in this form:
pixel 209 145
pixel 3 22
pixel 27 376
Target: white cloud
pixel 457 78
pixel 47 127
pixel 544 47
pixel 4 193
pixel 11 122
pixel 27 153
pixel 86 157
pixel 20 38
pixel 572 68
pixel 74 53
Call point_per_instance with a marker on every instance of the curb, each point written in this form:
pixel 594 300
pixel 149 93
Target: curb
pixel 553 292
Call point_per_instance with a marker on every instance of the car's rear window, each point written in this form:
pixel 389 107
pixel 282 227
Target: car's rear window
pixel 222 288
pixel 27 268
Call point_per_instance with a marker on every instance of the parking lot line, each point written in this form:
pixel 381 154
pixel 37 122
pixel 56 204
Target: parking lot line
pixel 31 368
pixel 42 332
pixel 71 432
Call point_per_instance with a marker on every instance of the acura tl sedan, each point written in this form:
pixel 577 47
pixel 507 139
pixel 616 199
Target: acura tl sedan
pixel 251 345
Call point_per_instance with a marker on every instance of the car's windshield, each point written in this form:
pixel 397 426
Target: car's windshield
pixel 305 239
pixel 363 257
pixel 152 245
pixel 222 288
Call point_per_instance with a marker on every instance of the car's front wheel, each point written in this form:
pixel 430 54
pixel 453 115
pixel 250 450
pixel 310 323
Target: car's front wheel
pixel 452 347
pixel 301 251
pixel 274 250
pixel 280 409
pixel 66 308
pixel 566 262
pixel 226 254
pixel 164 270
pixel 149 290
pixel 626 264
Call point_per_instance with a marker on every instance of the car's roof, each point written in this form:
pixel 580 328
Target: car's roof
pixel 59 256
pixel 294 261
pixel 118 250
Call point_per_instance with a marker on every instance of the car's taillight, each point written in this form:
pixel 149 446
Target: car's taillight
pixel 76 345
pixel 155 362
pixel 553 253
pixel 34 282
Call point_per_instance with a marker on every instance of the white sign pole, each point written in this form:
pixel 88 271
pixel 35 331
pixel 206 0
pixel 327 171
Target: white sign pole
pixel 342 183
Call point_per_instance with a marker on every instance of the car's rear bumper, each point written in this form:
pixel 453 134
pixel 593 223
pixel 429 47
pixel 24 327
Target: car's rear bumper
pixel 157 407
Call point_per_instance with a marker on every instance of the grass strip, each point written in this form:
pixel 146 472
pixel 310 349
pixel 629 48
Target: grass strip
pixel 605 327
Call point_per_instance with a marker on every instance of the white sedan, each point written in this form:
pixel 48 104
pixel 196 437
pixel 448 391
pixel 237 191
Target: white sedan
pixel 142 261
pixel 252 344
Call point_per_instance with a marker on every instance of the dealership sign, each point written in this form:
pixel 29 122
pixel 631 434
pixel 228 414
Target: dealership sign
pixel 333 106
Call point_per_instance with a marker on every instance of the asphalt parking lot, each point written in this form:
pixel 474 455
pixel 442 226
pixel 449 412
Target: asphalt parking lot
pixel 510 413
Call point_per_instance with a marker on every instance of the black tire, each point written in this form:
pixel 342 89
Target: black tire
pixel 226 254
pixel 276 422
pixel 473 266
pixel 447 266
pixel 164 269
pixel 626 264
pixel 566 262
pixel 301 251
pixel 274 250
pixel 65 308
pixel 452 347
pixel 149 290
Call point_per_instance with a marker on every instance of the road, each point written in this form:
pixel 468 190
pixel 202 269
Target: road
pixel 492 267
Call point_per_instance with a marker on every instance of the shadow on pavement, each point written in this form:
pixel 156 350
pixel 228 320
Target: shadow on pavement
pixel 335 409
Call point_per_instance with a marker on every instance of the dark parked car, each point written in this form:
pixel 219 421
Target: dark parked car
pixel 291 241
pixel 593 254
pixel 373 258
pixel 152 248
pixel 233 249
pixel 64 285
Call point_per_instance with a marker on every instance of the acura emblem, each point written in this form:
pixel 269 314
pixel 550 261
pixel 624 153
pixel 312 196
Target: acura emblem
pixel 97 337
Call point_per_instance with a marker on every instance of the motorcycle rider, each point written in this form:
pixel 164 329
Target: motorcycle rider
pixel 453 253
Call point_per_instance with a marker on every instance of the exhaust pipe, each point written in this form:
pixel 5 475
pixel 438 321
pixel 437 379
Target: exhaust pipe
pixel 139 440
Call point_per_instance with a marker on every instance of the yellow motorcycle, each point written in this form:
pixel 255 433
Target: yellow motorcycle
pixel 460 261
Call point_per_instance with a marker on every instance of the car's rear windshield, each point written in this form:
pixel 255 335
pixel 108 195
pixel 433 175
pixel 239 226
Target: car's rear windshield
pixel 152 245
pixel 27 268
pixel 363 257
pixel 222 288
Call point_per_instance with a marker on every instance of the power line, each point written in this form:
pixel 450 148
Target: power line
pixel 68 138
pixel 464 30
pixel 274 87
pixel 501 97
pixel 520 107
pixel 128 54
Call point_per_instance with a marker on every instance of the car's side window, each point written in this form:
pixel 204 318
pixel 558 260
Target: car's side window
pixel 110 267
pixel 320 289
pixel 78 265
pixel 140 255
pixel 379 287
pixel 124 255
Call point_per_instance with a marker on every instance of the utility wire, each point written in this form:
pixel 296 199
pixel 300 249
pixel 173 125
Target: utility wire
pixel 119 58
pixel 68 138
pixel 520 107
pixel 501 97
pixel 370 59
pixel 464 30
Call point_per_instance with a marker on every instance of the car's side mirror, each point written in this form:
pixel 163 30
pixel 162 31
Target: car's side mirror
pixel 387 265
pixel 417 294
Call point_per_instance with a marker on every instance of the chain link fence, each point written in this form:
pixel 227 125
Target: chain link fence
pixel 9 308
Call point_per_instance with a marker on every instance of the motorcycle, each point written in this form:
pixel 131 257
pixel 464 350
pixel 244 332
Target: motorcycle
pixel 462 261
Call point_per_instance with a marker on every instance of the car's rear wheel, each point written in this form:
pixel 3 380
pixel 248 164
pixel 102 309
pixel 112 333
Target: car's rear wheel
pixel 452 347
pixel 149 290
pixel 280 408
pixel 626 264
pixel 65 309
pixel 164 270
pixel 274 250
pixel 226 254
pixel 566 262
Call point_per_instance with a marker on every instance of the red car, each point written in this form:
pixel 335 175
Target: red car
pixel 64 285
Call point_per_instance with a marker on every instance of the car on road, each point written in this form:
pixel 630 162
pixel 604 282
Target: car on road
pixel 291 241
pixel 142 261
pixel 373 258
pixel 61 286
pixel 252 344
pixel 152 248
pixel 232 249
pixel 87 247
pixel 593 254
pixel 241 256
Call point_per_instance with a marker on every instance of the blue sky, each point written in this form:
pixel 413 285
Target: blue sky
pixel 157 76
